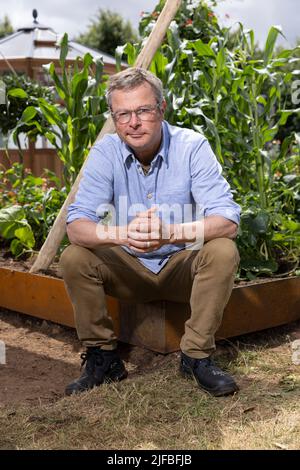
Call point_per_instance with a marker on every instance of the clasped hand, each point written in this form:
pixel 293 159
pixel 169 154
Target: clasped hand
pixel 146 232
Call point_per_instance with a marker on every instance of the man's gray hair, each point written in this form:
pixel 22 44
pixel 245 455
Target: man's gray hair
pixel 132 78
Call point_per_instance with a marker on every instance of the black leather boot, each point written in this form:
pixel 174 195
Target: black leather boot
pixel 101 366
pixel 208 376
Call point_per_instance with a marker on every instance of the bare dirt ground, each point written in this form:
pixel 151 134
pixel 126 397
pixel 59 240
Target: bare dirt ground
pixel 42 358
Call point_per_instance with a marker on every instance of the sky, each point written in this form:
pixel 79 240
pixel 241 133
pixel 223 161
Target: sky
pixel 73 16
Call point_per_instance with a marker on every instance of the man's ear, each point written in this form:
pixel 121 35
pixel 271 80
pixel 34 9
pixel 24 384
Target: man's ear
pixel 163 107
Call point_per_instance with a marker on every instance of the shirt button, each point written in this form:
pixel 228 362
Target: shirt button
pixel 149 196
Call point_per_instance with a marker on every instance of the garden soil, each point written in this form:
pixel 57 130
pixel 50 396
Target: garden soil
pixel 42 358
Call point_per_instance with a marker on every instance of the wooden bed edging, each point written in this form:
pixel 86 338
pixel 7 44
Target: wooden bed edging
pixel 42 296
pixel 157 325
pixel 251 308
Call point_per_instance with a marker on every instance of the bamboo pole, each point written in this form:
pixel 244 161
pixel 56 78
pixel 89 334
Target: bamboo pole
pixel 57 232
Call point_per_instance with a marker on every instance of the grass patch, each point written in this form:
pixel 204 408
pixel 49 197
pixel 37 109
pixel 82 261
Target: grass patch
pixel 158 409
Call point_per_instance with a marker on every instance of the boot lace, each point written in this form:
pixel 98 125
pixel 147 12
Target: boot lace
pixel 91 358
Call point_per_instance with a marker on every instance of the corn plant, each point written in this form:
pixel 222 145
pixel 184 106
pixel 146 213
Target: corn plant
pixel 72 125
pixel 216 83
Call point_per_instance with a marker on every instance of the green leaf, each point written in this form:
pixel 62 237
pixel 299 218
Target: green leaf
pixel 260 99
pixel 50 112
pixel 17 93
pixel 220 61
pixel 60 88
pixel 16 247
pixel 159 63
pixel 79 86
pixel 269 134
pixel 252 39
pixel 10 218
pixel 51 137
pixel 37 125
pixel 64 49
pixel 28 114
pixel 270 43
pixel 273 91
pixel 258 224
pixel 129 50
pixel 87 60
pixel 173 36
pixel 285 113
pixel 99 69
pixel 286 54
pixel 25 235
pixel 285 146
pixel 203 49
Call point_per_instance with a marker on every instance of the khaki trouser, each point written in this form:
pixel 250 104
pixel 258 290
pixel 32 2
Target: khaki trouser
pixel 203 277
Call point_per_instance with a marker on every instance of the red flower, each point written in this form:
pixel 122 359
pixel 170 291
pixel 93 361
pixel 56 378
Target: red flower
pixel 188 22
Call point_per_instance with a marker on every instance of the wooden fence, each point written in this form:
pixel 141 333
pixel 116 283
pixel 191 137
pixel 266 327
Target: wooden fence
pixel 35 159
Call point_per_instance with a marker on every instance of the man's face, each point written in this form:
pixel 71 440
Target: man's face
pixel 142 136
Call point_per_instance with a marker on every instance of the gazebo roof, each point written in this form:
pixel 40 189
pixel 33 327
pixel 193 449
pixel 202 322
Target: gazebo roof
pixel 37 41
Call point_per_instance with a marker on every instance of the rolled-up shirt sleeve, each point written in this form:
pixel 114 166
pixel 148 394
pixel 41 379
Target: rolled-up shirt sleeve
pixel 209 188
pixel 95 187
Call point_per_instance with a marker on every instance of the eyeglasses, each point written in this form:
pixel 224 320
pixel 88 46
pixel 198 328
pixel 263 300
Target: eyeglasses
pixel 144 113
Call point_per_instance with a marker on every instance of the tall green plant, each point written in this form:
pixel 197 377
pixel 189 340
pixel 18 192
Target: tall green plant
pixel 72 125
pixel 217 85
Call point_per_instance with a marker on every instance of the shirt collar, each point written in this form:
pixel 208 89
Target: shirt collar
pixel 163 151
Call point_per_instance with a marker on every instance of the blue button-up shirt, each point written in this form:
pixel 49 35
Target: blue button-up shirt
pixel 185 172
